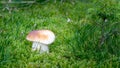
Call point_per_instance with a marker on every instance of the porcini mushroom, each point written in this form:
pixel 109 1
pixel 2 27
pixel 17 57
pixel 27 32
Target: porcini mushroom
pixel 41 39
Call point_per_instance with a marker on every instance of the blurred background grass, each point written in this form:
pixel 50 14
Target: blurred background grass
pixel 77 43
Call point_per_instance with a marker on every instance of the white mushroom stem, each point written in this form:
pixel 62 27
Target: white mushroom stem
pixel 40 47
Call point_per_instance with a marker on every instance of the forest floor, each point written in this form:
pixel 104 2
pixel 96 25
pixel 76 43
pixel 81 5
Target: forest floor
pixel 75 45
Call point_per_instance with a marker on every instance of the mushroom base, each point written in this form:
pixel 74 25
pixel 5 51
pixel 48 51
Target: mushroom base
pixel 40 47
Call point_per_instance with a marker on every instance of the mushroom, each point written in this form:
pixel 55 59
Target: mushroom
pixel 41 39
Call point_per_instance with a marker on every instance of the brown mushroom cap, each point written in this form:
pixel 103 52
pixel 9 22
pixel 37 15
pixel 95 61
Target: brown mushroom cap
pixel 42 36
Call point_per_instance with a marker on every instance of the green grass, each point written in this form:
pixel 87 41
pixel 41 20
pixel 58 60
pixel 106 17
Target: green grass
pixel 76 44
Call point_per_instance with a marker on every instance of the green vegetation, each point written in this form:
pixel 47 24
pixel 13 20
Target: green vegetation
pixel 90 39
